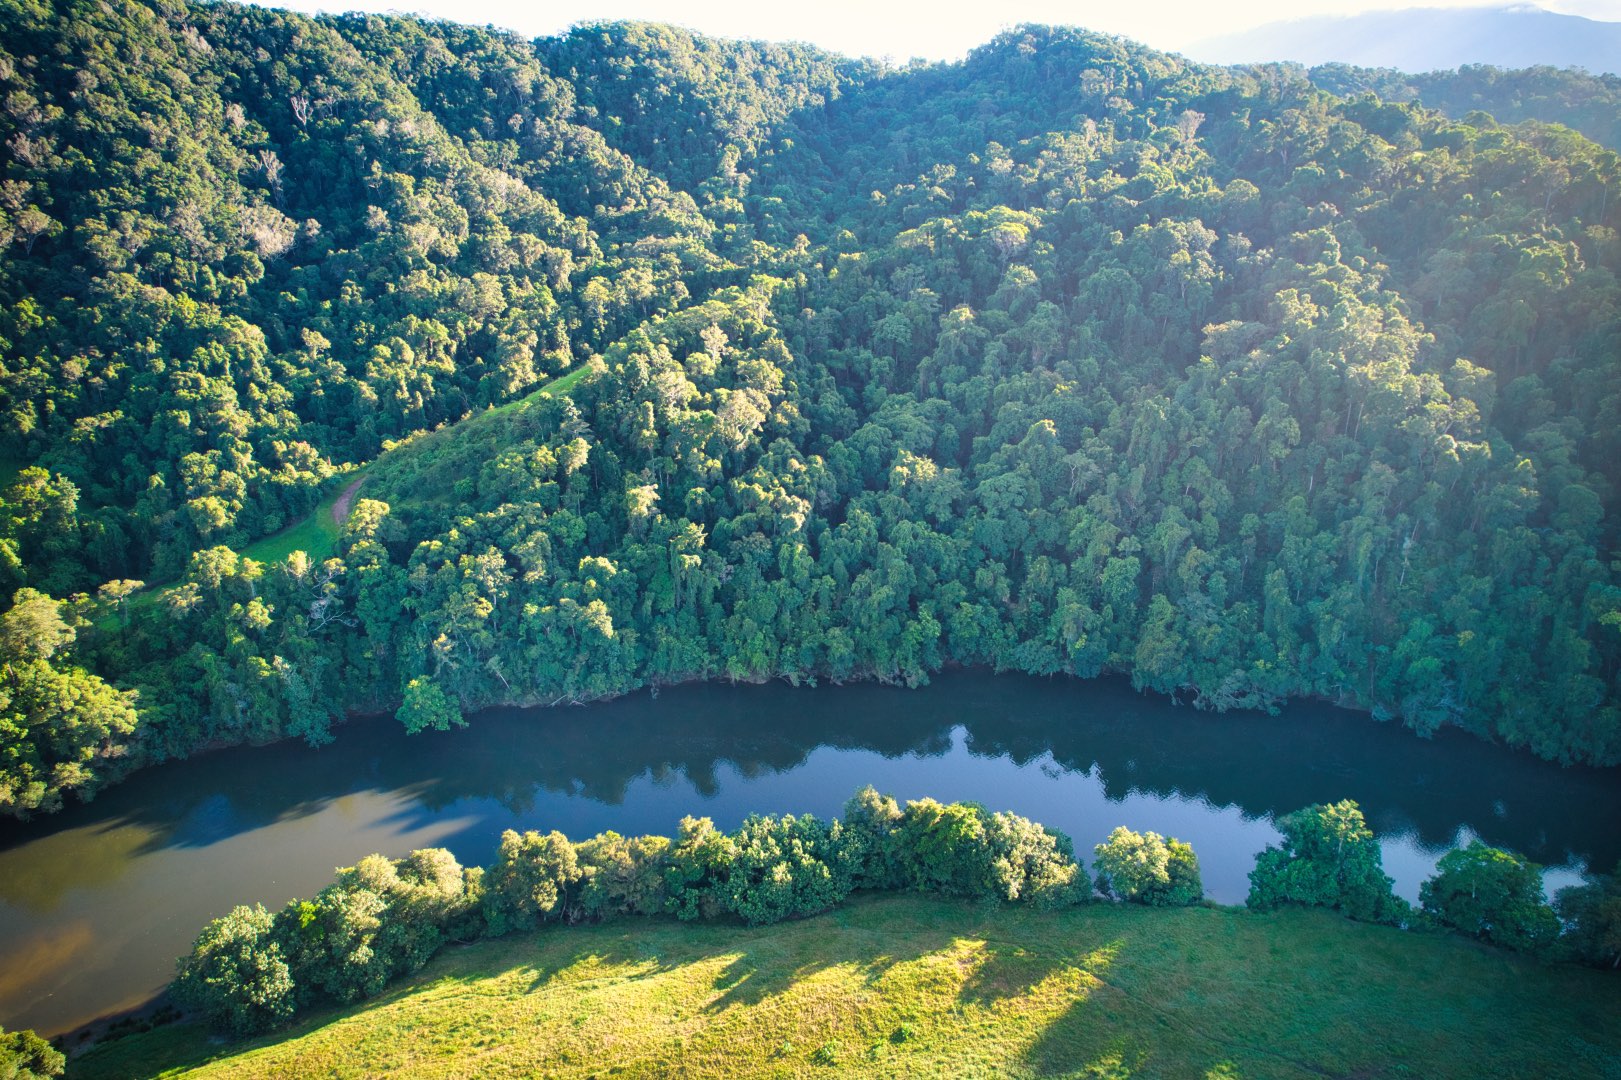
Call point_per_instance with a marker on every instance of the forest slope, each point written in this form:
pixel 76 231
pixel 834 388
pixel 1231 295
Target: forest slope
pixel 1071 357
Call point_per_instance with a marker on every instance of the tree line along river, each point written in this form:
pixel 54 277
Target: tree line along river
pixel 96 902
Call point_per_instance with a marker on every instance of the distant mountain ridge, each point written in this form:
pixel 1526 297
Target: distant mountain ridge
pixel 1427 39
pixel 1590 104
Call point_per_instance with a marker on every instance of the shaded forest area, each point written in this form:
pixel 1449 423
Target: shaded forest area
pixel 1071 357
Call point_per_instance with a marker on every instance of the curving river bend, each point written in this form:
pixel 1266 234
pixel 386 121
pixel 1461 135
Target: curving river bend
pixel 96 902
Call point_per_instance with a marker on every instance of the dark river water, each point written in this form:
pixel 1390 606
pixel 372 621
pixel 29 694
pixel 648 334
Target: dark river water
pixel 96 902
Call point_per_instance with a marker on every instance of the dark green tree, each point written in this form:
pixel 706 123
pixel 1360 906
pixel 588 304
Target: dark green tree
pixel 1493 895
pixel 1330 859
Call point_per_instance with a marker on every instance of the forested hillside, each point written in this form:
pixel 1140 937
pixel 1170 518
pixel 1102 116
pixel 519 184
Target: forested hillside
pixel 1591 104
pixel 1072 357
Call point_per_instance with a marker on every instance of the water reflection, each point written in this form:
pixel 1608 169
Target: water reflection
pixel 96 902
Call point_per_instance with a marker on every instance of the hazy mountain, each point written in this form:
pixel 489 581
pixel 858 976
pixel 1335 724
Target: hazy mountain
pixel 1427 39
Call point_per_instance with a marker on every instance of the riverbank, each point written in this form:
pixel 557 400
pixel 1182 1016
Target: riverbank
pixel 923 986
pixel 96 903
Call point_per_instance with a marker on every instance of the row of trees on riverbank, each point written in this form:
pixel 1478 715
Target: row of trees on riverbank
pixel 253 970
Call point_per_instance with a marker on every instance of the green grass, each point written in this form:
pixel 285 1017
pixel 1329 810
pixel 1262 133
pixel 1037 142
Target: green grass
pixel 317 534
pixel 422 473
pixel 560 385
pixel 909 986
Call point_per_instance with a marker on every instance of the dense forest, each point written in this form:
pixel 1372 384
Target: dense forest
pixel 1591 104
pixel 660 358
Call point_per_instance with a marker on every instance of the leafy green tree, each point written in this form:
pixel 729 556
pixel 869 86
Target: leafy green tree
pixel 1592 916
pixel 1148 869
pixel 870 822
pixel 942 848
pixel 1032 864
pixel 534 877
pixel 699 869
pixel 427 708
pixel 1330 859
pixel 62 729
pixel 236 974
pixel 622 875
pixel 1493 895
pixel 26 1056
pixel 337 944
pixel 33 628
pixel 786 868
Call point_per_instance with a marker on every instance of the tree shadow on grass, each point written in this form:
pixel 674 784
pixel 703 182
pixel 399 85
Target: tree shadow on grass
pixel 763 964
pixel 612 946
pixel 1005 970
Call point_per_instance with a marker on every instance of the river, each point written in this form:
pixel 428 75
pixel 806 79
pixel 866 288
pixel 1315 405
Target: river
pixel 96 902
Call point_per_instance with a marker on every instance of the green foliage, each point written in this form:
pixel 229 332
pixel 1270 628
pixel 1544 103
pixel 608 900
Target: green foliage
pixel 236 974
pixel 427 708
pixel 870 821
pixel 622 875
pixel 534 877
pixel 1148 869
pixel 1033 864
pixel 1330 859
pixel 698 870
pixel 26 1056
pixel 959 849
pixel 382 919
pixel 673 358
pixel 787 868
pixel 942 847
pixel 62 729
pixel 1491 894
pixel 33 629
pixel 1592 916
pixel 1591 104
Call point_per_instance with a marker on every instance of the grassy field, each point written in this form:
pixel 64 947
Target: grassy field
pixel 317 534
pixel 424 471
pixel 904 986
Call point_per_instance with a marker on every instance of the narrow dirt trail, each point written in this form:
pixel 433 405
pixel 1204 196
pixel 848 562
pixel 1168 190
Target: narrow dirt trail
pixel 340 509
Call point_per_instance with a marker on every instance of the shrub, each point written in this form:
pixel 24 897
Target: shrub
pixel 1493 895
pixel 698 869
pixel 871 822
pixel 1592 914
pixel 1033 864
pixel 787 868
pixel 331 943
pixel 1148 869
pixel 236 975
pixel 942 848
pixel 26 1056
pixel 531 880
pixel 1330 859
pixel 622 875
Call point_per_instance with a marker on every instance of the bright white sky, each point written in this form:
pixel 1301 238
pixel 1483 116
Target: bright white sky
pixel 901 29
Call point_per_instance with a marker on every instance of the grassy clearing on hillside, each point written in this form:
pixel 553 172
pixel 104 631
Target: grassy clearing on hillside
pixel 317 534
pixel 424 471
pixel 905 986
